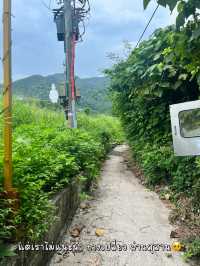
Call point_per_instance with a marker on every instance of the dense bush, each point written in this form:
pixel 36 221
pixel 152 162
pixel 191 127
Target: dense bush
pixel 47 156
pixel 161 71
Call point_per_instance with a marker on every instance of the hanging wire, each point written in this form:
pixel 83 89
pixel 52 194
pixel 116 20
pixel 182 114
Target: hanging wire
pixel 81 10
pixel 147 26
pixel 47 6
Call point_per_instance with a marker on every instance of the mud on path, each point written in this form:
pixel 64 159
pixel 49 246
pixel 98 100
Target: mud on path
pixel 126 212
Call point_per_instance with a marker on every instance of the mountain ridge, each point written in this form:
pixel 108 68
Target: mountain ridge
pixel 94 92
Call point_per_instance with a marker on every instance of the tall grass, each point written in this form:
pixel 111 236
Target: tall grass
pixel 47 156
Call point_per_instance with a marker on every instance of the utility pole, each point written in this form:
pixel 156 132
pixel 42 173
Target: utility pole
pixel 68 18
pixel 69 47
pixel 7 100
pixel 7 95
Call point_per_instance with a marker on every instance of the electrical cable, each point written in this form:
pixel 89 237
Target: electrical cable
pixel 147 26
pixel 81 11
pixel 49 4
pixel 45 5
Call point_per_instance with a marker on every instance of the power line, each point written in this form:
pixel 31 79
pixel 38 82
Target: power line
pixel 47 6
pixel 147 26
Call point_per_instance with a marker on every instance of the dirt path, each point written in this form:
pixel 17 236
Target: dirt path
pixel 127 212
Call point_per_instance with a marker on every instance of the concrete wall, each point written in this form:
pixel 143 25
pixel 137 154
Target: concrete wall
pixel 66 203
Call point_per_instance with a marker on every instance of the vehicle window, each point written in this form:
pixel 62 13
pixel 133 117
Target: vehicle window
pixel 190 123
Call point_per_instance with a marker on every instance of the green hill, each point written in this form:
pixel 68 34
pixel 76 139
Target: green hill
pixel 94 93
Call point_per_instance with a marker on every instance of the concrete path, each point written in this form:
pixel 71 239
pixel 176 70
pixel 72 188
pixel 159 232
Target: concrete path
pixel 126 212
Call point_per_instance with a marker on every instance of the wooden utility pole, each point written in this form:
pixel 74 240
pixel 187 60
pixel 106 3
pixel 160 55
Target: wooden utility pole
pixel 7 100
pixel 69 61
pixel 7 96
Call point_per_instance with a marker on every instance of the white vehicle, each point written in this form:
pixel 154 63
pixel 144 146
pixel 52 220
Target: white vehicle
pixel 185 121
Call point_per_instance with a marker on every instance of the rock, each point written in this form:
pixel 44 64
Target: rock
pixel 84 205
pixel 75 232
pixel 174 234
pixel 58 260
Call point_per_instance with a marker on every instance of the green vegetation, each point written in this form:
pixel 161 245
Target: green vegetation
pixel 185 8
pixel 164 70
pixel 94 93
pixel 47 157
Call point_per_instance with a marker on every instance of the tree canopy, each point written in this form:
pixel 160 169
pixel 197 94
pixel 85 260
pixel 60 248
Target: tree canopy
pixel 185 8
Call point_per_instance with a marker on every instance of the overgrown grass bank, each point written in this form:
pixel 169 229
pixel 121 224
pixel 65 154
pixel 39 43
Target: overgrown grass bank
pixel 47 157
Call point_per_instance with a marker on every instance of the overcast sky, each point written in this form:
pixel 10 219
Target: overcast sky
pixel 37 51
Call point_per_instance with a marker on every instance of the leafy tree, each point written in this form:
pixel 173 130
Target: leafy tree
pixel 163 70
pixel 185 8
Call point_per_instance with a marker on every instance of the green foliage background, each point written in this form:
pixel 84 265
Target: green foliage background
pixel 187 9
pixel 163 70
pixel 47 157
